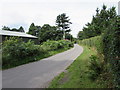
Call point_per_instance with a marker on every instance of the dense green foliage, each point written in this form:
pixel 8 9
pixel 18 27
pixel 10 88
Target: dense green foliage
pixel 63 23
pixel 54 45
pixel 98 24
pixel 107 24
pixel 106 63
pixel 48 32
pixel 16 52
pixel 95 42
pixel 111 46
pixel 98 67
pixel 21 29
pixel 34 30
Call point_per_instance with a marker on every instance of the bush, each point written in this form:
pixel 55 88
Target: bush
pixel 111 45
pixel 50 45
pixel 16 52
pixel 96 67
pixel 54 45
pixel 15 49
pixel 95 42
pixel 65 44
pixel 108 45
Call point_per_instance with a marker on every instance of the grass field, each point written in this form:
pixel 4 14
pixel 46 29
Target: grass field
pixel 77 74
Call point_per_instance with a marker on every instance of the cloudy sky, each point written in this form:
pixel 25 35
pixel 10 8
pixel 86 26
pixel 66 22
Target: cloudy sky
pixel 16 13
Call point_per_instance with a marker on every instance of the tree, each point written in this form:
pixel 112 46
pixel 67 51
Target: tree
pixel 63 23
pixel 5 28
pixel 21 29
pixel 81 35
pixel 99 22
pixel 14 29
pixel 111 51
pixel 47 32
pixel 68 36
pixel 34 30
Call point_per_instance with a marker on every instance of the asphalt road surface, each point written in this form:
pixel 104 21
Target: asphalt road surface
pixel 39 74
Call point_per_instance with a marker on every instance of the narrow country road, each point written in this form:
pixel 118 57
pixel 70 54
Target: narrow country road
pixel 39 74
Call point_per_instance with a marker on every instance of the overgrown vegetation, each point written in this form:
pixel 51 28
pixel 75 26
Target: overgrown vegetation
pixel 95 42
pixel 111 49
pixel 100 21
pixel 78 74
pixel 107 59
pixel 99 68
pixel 103 67
pixel 16 52
pixel 105 23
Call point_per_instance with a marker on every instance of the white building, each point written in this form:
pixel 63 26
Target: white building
pixel 24 36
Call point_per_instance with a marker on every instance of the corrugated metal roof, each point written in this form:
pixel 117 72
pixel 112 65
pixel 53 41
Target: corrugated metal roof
pixel 13 33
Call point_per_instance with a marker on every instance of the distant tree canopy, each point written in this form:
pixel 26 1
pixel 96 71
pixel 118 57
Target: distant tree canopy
pixel 63 23
pixel 34 30
pixel 99 22
pixel 21 29
pixel 48 32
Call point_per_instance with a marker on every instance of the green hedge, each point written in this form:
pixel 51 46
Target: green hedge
pixel 16 52
pixel 54 45
pixel 111 45
pixel 108 45
pixel 95 42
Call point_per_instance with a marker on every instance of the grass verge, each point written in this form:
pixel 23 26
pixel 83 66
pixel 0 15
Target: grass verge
pixel 77 74
pixel 33 58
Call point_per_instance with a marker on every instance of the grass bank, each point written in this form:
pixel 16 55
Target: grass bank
pixel 34 58
pixel 77 75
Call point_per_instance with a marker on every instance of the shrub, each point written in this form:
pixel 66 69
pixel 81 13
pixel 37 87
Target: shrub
pixel 96 67
pixel 16 52
pixel 111 45
pixel 65 44
pixel 95 42
pixel 50 45
pixel 15 49
pixel 54 45
pixel 108 45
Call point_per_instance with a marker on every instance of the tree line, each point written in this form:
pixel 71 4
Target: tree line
pixel 21 29
pixel 48 32
pixel 100 21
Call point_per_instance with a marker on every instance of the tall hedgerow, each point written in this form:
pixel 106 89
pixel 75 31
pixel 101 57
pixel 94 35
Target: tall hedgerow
pixel 111 45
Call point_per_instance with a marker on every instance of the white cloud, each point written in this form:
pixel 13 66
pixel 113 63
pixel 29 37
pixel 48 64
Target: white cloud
pixel 24 12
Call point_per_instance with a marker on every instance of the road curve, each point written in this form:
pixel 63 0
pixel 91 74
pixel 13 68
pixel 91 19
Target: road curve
pixel 38 74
